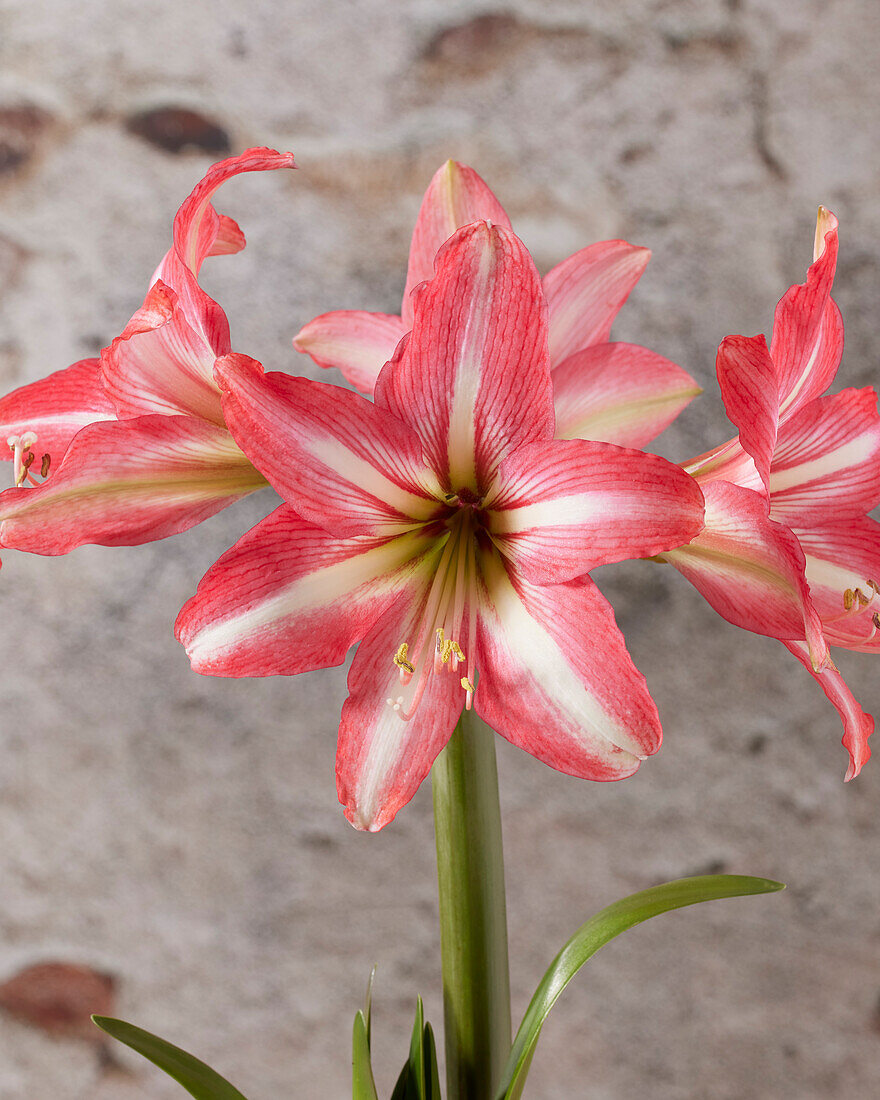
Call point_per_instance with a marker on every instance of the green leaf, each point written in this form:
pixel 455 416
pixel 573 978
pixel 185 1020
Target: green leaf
pixel 368 1003
pixel 601 928
pixel 363 1087
pixel 198 1079
pixel 419 1079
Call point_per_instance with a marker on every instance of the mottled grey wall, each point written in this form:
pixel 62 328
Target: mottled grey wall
pixel 182 834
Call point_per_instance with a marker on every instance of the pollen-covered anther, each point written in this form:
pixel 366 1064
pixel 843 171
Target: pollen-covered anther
pixel 470 689
pixel 22 457
pixel 401 659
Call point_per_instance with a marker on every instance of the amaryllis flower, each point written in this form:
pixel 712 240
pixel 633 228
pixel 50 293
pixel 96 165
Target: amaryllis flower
pixel 617 392
pixel 134 447
pixel 445 529
pixel 788 549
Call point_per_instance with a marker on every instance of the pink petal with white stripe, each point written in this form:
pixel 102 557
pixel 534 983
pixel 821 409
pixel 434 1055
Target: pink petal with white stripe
pixel 619 393
pixel 555 677
pixel 54 409
pixel 160 364
pixel 381 757
pixel 750 569
pixel 807 331
pixel 288 598
pixel 342 462
pixel 747 377
pixel 565 506
pixel 827 461
pixel 473 378
pixel 456 196
pixel 355 342
pixel 843 571
pixel 199 232
pixel 585 293
pixel 857 725
pixel 126 482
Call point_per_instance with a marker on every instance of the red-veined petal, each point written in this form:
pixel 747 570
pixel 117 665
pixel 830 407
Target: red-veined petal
pixel 807 330
pixel 343 463
pixel 747 377
pixel 566 506
pixel 750 569
pixel 55 408
pixel 160 364
pixel 289 598
pixel 857 725
pixel 827 461
pixel 381 758
pixel 619 393
pixel 126 482
pixel 585 293
pixel 355 342
pixel 473 378
pixel 555 678
pixel 845 557
pixel 456 196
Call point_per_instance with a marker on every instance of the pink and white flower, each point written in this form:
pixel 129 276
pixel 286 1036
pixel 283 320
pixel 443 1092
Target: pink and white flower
pixel 134 447
pixel 788 549
pixel 443 528
pixel 614 392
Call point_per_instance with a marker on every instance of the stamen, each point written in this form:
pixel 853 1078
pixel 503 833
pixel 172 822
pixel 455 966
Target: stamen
pixel 469 688
pixel 45 463
pixel 402 662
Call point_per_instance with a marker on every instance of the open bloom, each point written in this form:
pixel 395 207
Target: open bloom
pixel 788 549
pixel 134 447
pixel 445 529
pixel 616 392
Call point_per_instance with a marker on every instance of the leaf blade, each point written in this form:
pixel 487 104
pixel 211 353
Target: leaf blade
pixel 363 1087
pixel 198 1079
pixel 595 933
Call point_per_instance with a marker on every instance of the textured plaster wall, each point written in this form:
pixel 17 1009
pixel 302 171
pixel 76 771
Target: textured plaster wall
pixel 182 834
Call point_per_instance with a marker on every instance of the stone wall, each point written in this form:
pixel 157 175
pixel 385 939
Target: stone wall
pixel 181 834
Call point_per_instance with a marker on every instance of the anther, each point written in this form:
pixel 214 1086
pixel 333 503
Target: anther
pixel 45 463
pixel 849 598
pixel 400 659
pixel 469 688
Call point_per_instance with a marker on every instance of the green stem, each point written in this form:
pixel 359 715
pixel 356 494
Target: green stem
pixel 473 917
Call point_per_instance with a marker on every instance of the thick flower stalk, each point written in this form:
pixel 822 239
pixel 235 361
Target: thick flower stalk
pixel 788 549
pixel 134 446
pixel 443 528
pixel 614 392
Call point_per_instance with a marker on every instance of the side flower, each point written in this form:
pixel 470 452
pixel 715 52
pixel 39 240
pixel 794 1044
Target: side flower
pixel 788 549
pixel 134 446
pixel 614 392
pixel 443 528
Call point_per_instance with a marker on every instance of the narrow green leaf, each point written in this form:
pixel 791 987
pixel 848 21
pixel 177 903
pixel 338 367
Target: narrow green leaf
pixel 368 1003
pixel 432 1073
pixel 417 1052
pixel 363 1087
pixel 601 928
pixel 403 1090
pixel 198 1079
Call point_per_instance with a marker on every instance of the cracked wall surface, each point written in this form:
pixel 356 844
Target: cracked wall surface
pixel 175 841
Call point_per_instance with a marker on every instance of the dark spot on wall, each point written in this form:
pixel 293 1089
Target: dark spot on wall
pixel 22 126
pixel 59 998
pixel 179 130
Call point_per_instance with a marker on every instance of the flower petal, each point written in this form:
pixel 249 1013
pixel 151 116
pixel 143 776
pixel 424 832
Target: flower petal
pixel 747 377
pixel 342 462
pixel 289 598
pixel 357 343
pixel 585 293
pixel 55 408
pixel 555 677
pixel 845 557
pixel 456 196
pixel 382 759
pixel 750 569
pixel 618 393
pixel 857 725
pixel 160 364
pixel 126 482
pixel 827 461
pixel 199 232
pixel 807 330
pixel 473 378
pixel 566 506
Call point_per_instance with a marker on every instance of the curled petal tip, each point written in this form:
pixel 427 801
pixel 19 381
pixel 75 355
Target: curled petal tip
pixel 826 223
pixel 227 366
